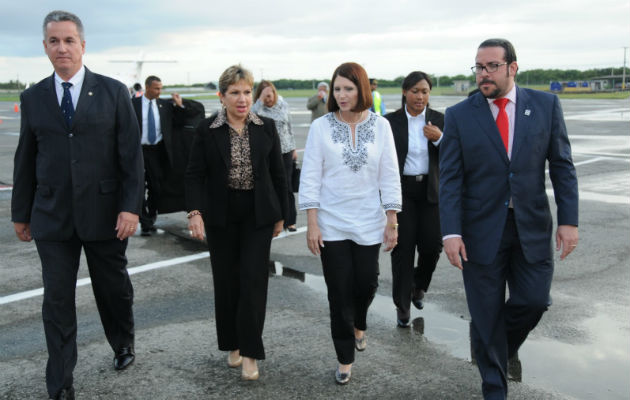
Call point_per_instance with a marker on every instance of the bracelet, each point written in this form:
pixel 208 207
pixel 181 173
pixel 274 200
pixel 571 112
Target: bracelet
pixel 193 213
pixel 393 226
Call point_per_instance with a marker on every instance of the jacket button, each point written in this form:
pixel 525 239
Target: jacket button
pixel 70 135
pixel 507 203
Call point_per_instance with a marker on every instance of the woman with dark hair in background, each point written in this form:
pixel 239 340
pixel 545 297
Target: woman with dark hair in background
pixel 236 190
pixel 417 133
pixel 350 190
pixel 269 104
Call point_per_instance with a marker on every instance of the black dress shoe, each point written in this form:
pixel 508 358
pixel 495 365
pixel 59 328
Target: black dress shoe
pixel 123 358
pixel 145 232
pixel 402 318
pixel 65 394
pixel 416 298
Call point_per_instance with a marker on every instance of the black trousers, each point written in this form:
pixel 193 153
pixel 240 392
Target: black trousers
pixel 351 275
pixel 287 159
pixel 239 253
pixel 112 289
pixel 418 230
pixel 500 327
pixel 155 161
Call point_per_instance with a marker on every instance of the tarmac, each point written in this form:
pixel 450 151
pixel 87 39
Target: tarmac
pixel 580 350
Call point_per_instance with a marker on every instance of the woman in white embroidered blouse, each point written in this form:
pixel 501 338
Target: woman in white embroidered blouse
pixel 350 188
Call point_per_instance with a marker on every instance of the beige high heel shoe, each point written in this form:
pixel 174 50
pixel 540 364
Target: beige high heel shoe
pixel 234 359
pixel 250 376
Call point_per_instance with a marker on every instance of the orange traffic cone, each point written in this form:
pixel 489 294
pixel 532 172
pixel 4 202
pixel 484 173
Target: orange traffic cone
pixel 16 108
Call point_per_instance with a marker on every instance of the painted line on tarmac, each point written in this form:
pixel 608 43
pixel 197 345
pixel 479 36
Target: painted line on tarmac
pixel 134 270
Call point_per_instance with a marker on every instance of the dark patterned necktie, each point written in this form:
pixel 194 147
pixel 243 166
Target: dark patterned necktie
pixel 66 104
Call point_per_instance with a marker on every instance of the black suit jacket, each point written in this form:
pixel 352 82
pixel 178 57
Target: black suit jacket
pixel 77 178
pixel 400 128
pixel 209 163
pixel 172 197
pixel 170 116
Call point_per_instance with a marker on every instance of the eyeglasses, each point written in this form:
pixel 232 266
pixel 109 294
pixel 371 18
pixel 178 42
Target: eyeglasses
pixel 492 67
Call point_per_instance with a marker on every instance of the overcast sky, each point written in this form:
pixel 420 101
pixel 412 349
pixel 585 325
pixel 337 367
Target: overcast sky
pixel 304 40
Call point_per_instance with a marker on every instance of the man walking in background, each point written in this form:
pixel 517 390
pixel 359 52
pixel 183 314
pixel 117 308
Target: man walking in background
pixel 317 103
pixel 156 117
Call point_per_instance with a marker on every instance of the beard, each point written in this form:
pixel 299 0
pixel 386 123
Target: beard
pixel 493 93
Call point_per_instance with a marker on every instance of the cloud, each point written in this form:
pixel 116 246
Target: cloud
pixel 279 38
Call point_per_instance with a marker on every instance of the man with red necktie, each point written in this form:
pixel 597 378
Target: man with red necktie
pixel 494 210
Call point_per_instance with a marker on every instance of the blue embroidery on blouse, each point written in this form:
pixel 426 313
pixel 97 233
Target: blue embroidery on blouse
pixel 309 204
pixel 353 158
pixel 392 206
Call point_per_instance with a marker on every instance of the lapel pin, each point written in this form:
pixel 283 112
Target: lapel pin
pixel 90 93
pixel 527 112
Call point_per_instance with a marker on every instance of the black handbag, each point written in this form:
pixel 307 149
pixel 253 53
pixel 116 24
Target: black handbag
pixel 295 177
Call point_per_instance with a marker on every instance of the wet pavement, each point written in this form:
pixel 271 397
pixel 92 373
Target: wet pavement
pixel 580 350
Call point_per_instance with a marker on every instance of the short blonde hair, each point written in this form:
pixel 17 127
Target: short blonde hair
pixel 234 74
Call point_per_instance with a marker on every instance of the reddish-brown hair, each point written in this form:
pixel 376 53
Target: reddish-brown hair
pixel 264 84
pixel 359 77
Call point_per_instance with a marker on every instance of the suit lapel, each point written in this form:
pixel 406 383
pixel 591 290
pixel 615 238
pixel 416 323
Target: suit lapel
pixel 89 91
pixel 484 118
pixel 400 129
pixel 137 106
pixel 221 136
pixel 522 117
pixel 51 101
pixel 255 136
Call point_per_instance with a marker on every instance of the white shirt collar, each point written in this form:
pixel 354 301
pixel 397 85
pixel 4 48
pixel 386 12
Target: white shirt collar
pixel 422 115
pixel 511 95
pixel 76 80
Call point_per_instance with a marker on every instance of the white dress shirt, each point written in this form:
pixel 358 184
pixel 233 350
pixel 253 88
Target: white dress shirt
pixel 145 120
pixel 351 185
pixel 75 89
pixel 417 161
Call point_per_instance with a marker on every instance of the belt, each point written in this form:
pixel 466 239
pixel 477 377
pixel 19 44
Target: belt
pixel 414 178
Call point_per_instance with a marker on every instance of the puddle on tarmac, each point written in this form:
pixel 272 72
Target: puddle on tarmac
pixel 595 370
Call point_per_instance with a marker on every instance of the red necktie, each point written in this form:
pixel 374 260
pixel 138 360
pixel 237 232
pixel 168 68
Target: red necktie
pixel 502 121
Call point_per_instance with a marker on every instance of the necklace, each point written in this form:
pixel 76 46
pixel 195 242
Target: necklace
pixel 351 123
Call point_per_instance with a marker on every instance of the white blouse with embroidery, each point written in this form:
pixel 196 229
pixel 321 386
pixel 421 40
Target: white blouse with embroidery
pixel 351 186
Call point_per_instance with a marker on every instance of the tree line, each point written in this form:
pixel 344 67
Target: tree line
pixel 530 77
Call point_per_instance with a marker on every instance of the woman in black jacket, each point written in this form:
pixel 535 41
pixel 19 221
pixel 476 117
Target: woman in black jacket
pixel 417 133
pixel 236 189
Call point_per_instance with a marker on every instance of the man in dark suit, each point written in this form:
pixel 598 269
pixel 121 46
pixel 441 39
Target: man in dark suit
pixel 494 210
pixel 417 133
pixel 156 118
pixel 78 185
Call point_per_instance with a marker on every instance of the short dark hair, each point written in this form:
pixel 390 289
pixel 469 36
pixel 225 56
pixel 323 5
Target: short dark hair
pixel 137 86
pixel 150 79
pixel 510 53
pixel 413 78
pixel 355 73
pixel 261 86
pixel 60 16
